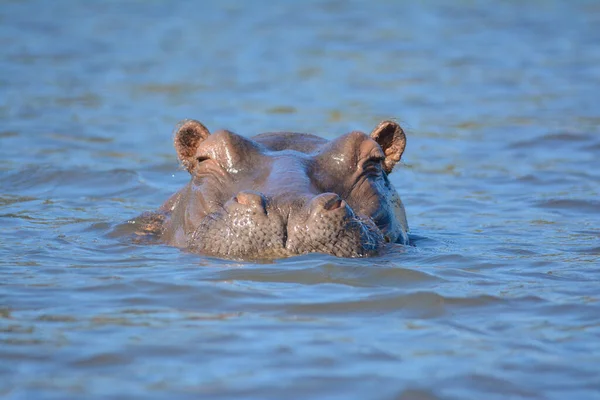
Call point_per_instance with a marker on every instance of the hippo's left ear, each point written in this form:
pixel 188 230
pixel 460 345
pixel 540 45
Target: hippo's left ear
pixel 390 136
pixel 189 133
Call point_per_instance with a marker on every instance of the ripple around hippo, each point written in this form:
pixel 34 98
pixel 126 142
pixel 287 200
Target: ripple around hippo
pixel 282 194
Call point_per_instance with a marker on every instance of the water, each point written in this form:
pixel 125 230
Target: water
pixel 501 182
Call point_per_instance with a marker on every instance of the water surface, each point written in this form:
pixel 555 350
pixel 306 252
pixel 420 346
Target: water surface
pixel 500 179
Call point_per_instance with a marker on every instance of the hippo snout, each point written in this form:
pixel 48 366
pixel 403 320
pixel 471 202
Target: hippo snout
pixel 329 225
pixel 254 225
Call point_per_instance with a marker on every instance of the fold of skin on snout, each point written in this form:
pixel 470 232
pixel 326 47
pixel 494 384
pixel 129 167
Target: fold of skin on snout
pixel 283 194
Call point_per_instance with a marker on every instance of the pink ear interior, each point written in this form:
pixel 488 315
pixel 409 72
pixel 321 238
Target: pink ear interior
pixel 188 136
pixel 390 136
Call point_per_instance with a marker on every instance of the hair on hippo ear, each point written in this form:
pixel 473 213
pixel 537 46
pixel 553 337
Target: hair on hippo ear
pixel 189 133
pixel 390 136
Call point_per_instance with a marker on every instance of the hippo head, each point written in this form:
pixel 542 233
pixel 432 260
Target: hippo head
pixel 283 194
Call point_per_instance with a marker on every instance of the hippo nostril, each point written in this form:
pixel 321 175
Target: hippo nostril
pixel 327 202
pixel 333 204
pixel 250 199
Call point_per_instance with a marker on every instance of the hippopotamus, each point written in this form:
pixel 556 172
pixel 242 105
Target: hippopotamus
pixel 282 194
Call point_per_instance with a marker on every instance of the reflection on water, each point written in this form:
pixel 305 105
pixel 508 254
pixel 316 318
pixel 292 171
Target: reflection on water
pixel 500 179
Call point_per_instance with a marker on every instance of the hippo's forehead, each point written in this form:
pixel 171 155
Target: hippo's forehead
pixel 290 177
pixel 276 162
pixel 275 173
pixel 285 164
pixel 300 142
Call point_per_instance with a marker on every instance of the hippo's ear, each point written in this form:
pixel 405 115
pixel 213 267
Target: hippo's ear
pixel 189 133
pixel 390 136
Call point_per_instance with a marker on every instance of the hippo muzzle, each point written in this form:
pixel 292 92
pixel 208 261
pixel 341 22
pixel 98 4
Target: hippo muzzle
pixel 252 225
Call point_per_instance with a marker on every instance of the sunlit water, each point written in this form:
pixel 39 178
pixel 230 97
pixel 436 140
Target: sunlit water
pixel 501 181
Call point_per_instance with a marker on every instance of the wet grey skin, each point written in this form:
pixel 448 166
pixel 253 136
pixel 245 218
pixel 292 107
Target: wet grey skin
pixel 283 194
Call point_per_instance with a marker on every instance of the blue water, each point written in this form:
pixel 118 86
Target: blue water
pixel 501 182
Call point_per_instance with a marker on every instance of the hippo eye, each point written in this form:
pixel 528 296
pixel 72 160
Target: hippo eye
pixel 373 165
pixel 202 159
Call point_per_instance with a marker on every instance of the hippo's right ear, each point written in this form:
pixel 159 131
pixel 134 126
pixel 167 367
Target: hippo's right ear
pixel 390 136
pixel 189 133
